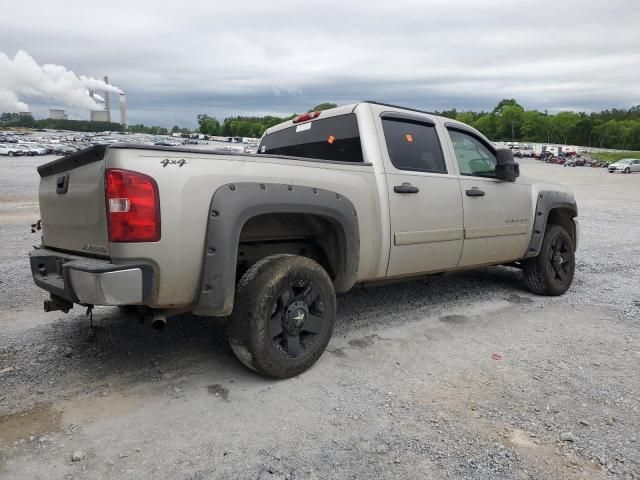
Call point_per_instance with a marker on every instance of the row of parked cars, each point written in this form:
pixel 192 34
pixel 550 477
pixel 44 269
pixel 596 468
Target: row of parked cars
pixel 17 147
pixel 569 159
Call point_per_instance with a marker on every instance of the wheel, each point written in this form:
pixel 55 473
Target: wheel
pixel 283 316
pixel 627 170
pixel 551 272
pixel 11 154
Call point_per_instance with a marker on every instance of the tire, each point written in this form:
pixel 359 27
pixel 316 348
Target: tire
pixel 283 316
pixel 551 272
pixel 627 170
pixel 11 154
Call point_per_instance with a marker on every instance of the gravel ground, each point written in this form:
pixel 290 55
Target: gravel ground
pixel 463 376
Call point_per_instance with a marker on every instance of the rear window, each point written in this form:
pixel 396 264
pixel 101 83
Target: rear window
pixel 413 146
pixel 335 138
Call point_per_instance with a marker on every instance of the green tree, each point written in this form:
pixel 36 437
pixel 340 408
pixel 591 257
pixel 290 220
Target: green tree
pixel 563 122
pixel 511 117
pixel 506 102
pixel 466 117
pixel 208 125
pixel 488 125
pixel 323 106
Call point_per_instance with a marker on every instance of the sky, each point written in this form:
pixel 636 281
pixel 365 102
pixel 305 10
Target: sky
pixel 177 59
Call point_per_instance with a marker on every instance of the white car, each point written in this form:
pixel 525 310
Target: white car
pixel 10 150
pixel 26 150
pixel 626 165
pixel 37 149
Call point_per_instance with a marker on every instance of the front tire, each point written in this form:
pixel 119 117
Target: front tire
pixel 551 272
pixel 283 317
pixel 627 170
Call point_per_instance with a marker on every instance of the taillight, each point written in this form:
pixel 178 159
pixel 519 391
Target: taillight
pixel 133 206
pixel 306 116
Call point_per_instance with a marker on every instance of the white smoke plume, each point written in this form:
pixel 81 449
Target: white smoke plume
pixel 98 98
pixel 22 76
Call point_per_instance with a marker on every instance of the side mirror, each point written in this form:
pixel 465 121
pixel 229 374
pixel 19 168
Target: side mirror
pixel 506 169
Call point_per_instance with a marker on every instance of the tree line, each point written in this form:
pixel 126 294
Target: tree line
pixel 27 121
pixel 509 121
pixel 240 126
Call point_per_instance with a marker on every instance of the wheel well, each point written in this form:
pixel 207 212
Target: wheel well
pixel 563 217
pixel 308 235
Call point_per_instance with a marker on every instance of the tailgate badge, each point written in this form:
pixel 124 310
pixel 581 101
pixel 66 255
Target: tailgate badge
pixel 94 248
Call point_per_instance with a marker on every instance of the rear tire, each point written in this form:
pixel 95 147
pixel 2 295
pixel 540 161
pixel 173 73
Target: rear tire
pixel 11 154
pixel 283 317
pixel 551 272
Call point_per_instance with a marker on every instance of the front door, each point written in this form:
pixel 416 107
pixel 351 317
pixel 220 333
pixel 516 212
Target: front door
pixel 424 199
pixel 497 214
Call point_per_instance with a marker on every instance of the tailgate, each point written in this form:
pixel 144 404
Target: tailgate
pixel 72 203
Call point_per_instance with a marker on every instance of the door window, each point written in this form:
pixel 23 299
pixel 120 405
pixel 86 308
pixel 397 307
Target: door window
pixel 473 156
pixel 413 145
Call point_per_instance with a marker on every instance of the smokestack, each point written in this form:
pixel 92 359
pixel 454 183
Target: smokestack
pixel 123 110
pixel 107 105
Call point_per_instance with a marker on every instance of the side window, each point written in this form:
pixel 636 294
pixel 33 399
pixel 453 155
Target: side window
pixel 473 156
pixel 413 146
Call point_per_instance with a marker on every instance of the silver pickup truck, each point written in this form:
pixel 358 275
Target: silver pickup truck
pixel 350 195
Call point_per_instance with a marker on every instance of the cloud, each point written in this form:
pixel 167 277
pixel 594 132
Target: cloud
pixel 285 56
pixel 23 76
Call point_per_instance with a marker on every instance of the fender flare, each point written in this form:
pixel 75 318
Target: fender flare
pixel 233 204
pixel 548 200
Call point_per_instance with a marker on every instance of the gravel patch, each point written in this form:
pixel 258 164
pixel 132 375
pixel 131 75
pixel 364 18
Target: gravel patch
pixel 461 376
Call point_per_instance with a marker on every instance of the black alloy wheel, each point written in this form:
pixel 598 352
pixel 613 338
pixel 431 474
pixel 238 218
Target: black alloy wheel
pixel 551 271
pixel 298 318
pixel 283 315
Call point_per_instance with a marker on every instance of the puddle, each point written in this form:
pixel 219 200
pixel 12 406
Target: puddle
pixel 90 409
pixel 457 319
pixel 513 298
pixel 363 342
pixel 38 420
pixel 219 391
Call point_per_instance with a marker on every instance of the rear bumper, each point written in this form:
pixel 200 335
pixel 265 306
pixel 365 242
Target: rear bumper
pixel 90 281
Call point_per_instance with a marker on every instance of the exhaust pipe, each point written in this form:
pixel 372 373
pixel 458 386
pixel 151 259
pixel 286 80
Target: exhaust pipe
pixel 159 317
pixel 158 323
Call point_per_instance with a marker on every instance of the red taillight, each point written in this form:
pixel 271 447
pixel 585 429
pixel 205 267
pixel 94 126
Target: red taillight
pixel 306 116
pixel 133 206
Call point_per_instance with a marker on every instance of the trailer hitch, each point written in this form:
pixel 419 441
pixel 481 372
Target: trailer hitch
pixel 56 303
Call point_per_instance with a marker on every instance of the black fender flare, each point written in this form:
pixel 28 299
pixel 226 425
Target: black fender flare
pixel 548 200
pixel 233 204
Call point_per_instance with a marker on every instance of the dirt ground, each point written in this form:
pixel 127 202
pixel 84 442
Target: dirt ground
pixel 462 376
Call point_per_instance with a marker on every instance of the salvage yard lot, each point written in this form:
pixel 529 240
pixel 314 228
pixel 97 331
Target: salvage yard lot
pixel 461 376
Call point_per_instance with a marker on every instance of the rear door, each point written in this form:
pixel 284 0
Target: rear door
pixel 497 214
pixel 425 204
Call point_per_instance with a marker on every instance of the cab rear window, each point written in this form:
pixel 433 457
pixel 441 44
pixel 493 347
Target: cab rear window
pixel 335 138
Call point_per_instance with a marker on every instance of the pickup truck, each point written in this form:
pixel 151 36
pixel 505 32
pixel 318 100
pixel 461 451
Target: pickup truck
pixel 334 198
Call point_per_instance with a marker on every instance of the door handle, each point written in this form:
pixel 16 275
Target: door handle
pixel 475 192
pixel 406 188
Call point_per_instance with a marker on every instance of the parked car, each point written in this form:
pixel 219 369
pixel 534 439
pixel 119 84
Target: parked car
pixel 11 150
pixel 37 149
pixel 27 150
pixel 626 165
pixel 574 162
pixel 334 198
